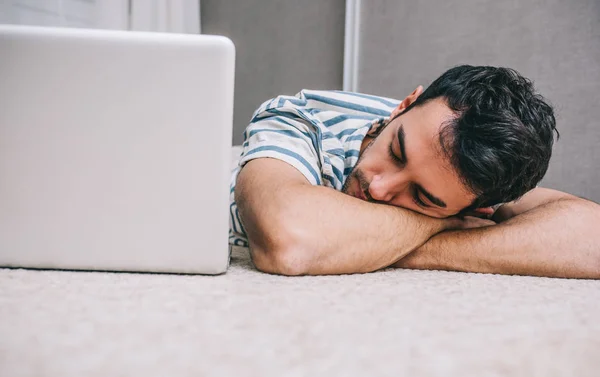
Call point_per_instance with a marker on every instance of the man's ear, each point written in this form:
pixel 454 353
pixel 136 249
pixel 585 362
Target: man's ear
pixel 406 102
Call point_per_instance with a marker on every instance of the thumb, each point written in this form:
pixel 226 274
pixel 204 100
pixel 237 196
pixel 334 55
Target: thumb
pixel 485 211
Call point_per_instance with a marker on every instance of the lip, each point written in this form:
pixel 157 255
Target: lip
pixel 359 192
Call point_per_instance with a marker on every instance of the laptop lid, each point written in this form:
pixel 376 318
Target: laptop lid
pixel 114 150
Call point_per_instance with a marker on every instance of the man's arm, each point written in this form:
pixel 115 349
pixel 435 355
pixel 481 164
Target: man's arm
pixel 534 198
pixel 295 228
pixel 557 238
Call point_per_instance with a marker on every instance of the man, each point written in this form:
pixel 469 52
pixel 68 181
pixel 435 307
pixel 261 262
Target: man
pixel 335 182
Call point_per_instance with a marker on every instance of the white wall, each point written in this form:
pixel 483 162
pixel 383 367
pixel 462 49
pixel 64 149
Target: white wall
pixel 104 14
pixel 179 16
pixel 175 16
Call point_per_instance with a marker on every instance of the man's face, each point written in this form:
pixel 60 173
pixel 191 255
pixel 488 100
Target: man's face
pixel 404 165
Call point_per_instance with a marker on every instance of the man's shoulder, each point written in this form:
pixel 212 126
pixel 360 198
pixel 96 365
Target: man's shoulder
pixel 349 102
pixel 348 95
pixel 315 101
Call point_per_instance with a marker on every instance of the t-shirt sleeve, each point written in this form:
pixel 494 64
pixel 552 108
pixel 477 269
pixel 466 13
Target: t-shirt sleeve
pixel 283 130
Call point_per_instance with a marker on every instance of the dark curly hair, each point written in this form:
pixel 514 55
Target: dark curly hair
pixel 501 139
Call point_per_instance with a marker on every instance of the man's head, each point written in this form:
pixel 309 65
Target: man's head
pixel 478 136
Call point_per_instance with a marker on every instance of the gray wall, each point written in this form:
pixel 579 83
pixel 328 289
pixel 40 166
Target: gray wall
pixel 556 43
pixel 282 46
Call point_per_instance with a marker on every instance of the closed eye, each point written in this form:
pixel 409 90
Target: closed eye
pixel 417 198
pixel 393 155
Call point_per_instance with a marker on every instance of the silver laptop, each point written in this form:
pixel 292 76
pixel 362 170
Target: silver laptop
pixel 114 150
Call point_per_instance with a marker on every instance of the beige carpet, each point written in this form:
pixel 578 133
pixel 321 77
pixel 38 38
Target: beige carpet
pixel 245 323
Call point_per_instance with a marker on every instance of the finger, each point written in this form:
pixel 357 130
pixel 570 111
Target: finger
pixel 485 210
pixel 476 214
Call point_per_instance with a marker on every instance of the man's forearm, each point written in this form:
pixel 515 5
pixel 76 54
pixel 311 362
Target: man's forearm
pixel 558 239
pixel 295 228
pixel 534 198
pixel 339 234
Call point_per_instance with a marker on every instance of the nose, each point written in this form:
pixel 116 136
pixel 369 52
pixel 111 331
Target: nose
pixel 382 189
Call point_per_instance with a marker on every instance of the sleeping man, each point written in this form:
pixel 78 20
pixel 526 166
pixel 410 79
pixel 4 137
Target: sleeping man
pixel 334 182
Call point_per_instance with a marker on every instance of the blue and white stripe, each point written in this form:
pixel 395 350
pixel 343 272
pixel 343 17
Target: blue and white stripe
pixel 318 132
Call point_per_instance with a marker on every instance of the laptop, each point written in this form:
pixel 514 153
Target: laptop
pixel 115 150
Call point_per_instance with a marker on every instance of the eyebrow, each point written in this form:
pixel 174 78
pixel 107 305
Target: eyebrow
pixel 432 198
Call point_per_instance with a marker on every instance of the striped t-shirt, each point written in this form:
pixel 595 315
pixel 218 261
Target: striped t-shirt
pixel 318 132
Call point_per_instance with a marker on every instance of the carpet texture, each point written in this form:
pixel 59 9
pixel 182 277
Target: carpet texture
pixel 246 323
